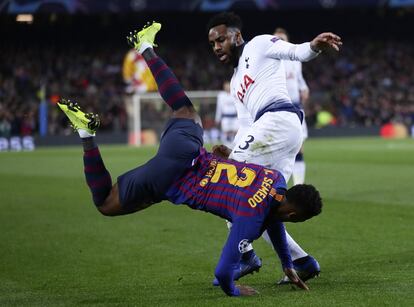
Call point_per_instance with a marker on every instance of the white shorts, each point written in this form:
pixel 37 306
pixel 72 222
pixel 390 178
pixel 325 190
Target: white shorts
pixel 272 141
pixel 229 124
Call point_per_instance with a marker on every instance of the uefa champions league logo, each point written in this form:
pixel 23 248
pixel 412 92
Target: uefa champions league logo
pixel 243 246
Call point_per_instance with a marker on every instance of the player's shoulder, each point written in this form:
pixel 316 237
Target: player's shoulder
pixel 261 41
pixel 278 178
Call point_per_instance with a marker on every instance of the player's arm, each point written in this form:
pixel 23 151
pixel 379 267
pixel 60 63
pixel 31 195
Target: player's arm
pixel 280 49
pixel 230 261
pixel 277 234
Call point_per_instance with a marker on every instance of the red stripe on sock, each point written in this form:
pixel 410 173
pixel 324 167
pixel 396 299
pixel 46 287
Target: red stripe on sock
pixel 100 183
pixel 153 61
pixel 159 70
pixel 92 153
pixel 167 83
pixel 176 97
pixel 94 168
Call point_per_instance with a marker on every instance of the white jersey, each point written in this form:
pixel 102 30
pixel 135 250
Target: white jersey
pixel 226 114
pixel 260 78
pixel 295 82
pixel 225 106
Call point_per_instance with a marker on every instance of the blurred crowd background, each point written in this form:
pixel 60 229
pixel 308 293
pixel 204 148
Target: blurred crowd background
pixel 369 83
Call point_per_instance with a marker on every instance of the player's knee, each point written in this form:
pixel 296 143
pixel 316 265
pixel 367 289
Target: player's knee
pixel 111 206
pixel 188 112
pixel 107 211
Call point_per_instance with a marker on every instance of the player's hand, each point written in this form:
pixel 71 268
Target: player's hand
pixel 221 151
pixel 293 276
pixel 246 290
pixel 325 41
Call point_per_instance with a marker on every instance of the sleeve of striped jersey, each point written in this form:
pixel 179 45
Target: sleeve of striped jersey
pixel 293 52
pixel 230 258
pixel 277 234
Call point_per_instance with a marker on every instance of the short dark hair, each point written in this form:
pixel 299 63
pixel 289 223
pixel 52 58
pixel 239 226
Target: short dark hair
pixel 306 199
pixel 229 19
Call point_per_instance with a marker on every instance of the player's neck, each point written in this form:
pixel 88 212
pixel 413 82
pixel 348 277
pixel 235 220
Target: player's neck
pixel 238 52
pixel 282 211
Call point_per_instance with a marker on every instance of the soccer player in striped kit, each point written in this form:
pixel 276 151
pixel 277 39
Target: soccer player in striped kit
pixel 253 197
pixel 258 85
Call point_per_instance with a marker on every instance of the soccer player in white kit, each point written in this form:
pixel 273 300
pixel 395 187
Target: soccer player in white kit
pixel 259 87
pixel 298 92
pixel 226 115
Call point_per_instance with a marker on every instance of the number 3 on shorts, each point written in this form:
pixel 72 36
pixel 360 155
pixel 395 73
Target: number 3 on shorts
pixel 250 138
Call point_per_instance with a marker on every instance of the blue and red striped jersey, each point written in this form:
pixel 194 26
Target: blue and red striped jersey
pixel 241 193
pixel 226 188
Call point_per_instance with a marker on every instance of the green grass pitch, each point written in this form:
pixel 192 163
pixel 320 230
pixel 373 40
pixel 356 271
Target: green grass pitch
pixel 57 250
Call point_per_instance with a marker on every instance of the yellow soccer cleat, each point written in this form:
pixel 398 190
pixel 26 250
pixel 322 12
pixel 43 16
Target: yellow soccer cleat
pixel 147 34
pixel 79 119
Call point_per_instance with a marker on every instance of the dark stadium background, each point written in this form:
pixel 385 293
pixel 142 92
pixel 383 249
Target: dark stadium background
pixel 377 39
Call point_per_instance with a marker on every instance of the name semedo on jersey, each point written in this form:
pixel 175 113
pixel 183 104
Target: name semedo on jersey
pixel 247 80
pixel 263 191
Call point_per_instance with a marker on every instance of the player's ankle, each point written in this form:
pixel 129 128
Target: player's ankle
pixel 144 47
pixel 88 143
pixel 84 133
pixel 247 255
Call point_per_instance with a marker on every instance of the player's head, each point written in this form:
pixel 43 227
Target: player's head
pixel 224 35
pixel 282 34
pixel 301 202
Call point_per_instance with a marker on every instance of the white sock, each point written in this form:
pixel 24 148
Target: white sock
pixel 144 46
pixel 266 237
pixel 84 134
pixel 295 250
pixel 299 169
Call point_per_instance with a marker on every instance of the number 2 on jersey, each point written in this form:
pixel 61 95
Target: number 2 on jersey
pixel 232 176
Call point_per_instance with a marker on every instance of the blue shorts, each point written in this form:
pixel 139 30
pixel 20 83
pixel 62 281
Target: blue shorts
pixel 180 144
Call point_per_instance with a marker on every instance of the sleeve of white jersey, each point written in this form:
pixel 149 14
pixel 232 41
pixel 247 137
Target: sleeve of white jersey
pixel 245 122
pixel 301 81
pixel 279 49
